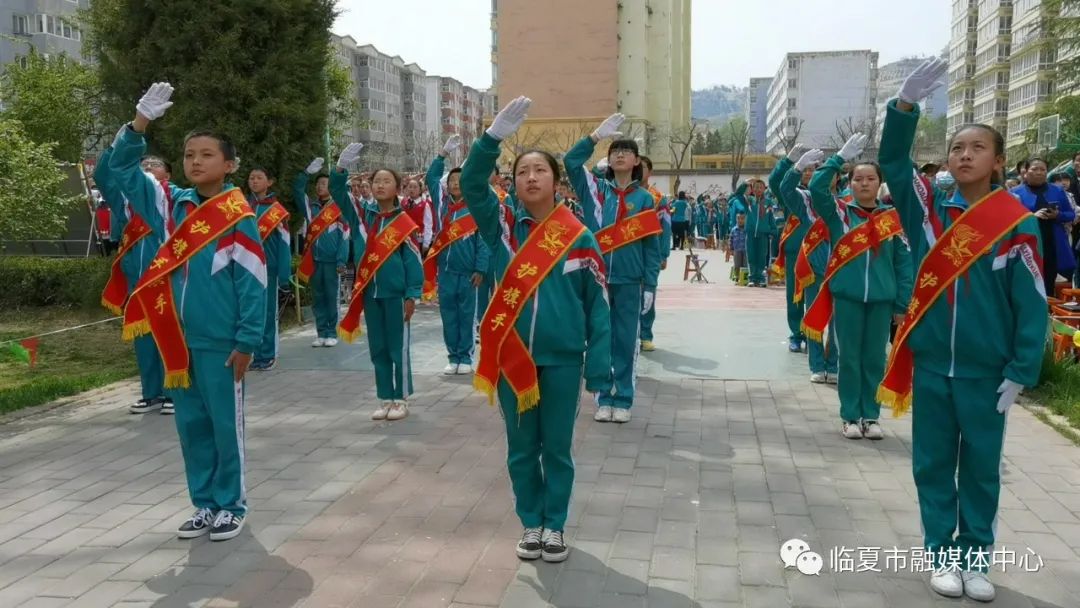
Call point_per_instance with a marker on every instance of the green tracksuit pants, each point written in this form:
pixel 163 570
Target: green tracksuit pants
pixel 389 343
pixel 956 440
pixel 210 423
pixel 458 308
pixel 822 356
pixel 626 301
pixel 151 370
pixel 324 289
pixel 268 348
pixel 538 447
pixel 757 256
pixel 794 309
pixel 862 330
pixel 647 321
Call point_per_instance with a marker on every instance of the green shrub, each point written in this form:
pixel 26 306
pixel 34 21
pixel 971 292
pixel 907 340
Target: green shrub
pixel 34 281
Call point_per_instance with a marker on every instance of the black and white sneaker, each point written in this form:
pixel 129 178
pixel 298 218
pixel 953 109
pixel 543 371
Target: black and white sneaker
pixel 530 546
pixel 197 525
pixel 226 526
pixel 167 408
pixel 555 549
pixel 143 406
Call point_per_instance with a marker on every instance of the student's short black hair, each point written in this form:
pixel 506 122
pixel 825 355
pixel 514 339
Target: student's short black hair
pixel 155 157
pixel 453 171
pixel 228 149
pixel 869 163
pixel 645 160
pixel 1036 159
pixel 267 172
pixel 321 176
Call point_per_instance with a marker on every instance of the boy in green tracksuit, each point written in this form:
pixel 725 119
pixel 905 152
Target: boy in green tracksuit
pixel 462 266
pixel 390 296
pixel 759 228
pixel 975 346
pixel 633 268
pixel 218 293
pixel 795 197
pixel 564 327
pixel 868 292
pixel 330 251
pixel 277 246
pixel 791 203
pixel 133 264
pixel 649 318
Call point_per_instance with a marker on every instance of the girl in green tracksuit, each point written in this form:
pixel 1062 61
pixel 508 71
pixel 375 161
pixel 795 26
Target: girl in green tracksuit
pixel 219 298
pixel 278 264
pixel 868 292
pixel 330 251
pixel 662 208
pixel 565 327
pixel 977 344
pixel 760 226
pixel 791 201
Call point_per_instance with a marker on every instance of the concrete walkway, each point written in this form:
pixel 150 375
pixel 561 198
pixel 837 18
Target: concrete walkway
pixel 731 451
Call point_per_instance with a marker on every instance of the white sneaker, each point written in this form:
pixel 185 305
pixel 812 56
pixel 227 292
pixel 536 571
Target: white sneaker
pixel 947 583
pixel 398 410
pixel 464 368
pixel 818 377
pixel 384 408
pixel 330 342
pixel 451 369
pixel 832 378
pixel 872 430
pixel 318 342
pixel 978 587
pixel 603 414
pixel 620 415
pixel 852 430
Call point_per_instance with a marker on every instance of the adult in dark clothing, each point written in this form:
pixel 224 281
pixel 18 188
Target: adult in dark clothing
pixel 1051 205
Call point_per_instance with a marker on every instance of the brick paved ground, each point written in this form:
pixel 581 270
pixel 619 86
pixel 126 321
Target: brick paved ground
pixel 731 451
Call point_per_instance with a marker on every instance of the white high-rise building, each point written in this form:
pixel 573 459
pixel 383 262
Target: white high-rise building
pixel 756 113
pixel 812 93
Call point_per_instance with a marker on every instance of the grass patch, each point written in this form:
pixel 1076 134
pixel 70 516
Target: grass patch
pixel 68 363
pixel 1059 389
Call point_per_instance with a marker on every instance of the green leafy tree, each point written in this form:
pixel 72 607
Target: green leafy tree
pixel 1068 108
pixel 55 100
pixel 32 202
pixel 259 71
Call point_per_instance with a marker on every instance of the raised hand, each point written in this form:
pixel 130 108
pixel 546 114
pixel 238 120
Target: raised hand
pixel 920 83
pixel 853 147
pixel 609 128
pixel 315 166
pixel 510 118
pixel 348 156
pixel 452 144
pixel 809 159
pixel 796 153
pixel 155 101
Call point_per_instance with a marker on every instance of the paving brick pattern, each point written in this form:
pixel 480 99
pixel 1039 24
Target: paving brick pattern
pixel 685 506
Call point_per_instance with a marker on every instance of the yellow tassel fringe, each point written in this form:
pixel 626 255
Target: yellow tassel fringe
pixel 813 334
pixel 134 330
pixel 116 310
pixel 483 386
pixel 528 400
pixel 178 380
pixel 900 404
pixel 349 336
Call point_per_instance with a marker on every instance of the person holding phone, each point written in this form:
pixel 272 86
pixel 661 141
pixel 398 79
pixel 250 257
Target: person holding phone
pixel 1050 203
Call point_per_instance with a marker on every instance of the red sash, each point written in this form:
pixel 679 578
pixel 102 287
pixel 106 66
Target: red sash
pixel 634 228
pixel 326 218
pixel 971 236
pixel 860 239
pixel 379 249
pixel 502 352
pixel 790 226
pixel 458 229
pixel 116 290
pixel 804 272
pixel 273 217
pixel 152 307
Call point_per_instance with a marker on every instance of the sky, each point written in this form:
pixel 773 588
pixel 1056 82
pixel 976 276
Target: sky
pixel 732 40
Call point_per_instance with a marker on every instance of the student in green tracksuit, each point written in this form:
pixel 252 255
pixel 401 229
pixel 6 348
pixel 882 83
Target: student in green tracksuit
pixel 649 318
pixel 632 269
pixel 462 266
pixel 868 292
pixel 278 265
pixel 759 228
pixel 795 197
pixel 220 299
pixel 390 298
pixel 133 265
pixel 791 201
pixel 331 252
pixel 973 351
pixel 702 219
pixel 565 327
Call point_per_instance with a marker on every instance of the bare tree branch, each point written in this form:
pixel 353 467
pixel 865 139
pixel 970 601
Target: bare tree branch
pixel 739 134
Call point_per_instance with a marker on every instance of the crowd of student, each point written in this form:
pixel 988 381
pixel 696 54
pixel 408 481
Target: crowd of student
pixel 558 279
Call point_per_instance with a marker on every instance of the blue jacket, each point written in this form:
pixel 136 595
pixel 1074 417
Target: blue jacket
pixel 277 244
pixel 1066 262
pixel 637 262
pixel 332 246
pixel 464 256
pixel 221 292
pixel 679 207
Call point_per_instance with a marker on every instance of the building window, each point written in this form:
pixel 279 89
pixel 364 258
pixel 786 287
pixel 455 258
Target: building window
pixel 362 83
pixel 792 64
pixel 792 83
pixel 446 87
pixel 792 121
pixel 20 24
pixel 362 60
pixel 791 103
pixel 363 104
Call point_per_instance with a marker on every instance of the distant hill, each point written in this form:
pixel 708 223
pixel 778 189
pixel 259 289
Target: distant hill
pixel 718 103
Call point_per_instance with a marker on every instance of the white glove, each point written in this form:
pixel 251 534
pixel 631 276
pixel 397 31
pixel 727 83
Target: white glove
pixel 1009 391
pixel 602 164
pixel 609 128
pixel 809 159
pixel 853 147
pixel 796 152
pixel 452 144
pixel 315 166
pixel 155 101
pixel 920 83
pixel 648 302
pixel 510 118
pixel 347 157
